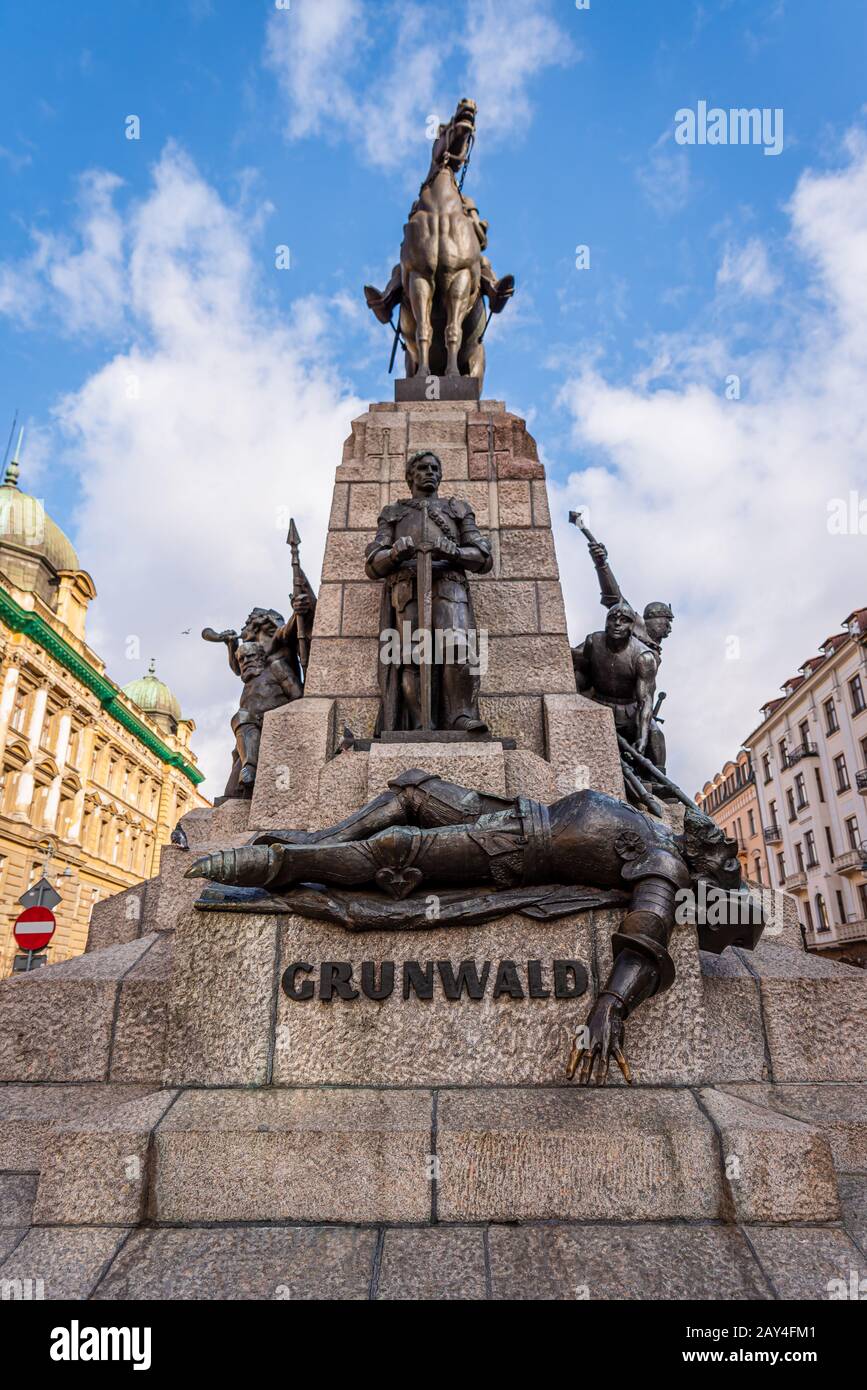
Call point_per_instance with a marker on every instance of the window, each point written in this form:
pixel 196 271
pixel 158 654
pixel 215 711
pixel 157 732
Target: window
pixel 841 908
pixel 772 807
pixel 852 832
pixel 804 732
pixel 799 855
pixel 856 694
pixel 757 870
pixel 19 713
pixel 751 816
pixel 819 788
pixel 809 916
pixel 864 752
pixel 810 843
pixel 790 802
pixel 831 722
pixel 829 840
pixel 862 897
pixel 841 772
pixel 783 755
pixel 822 914
pixel 766 768
pixel 781 868
pixel 801 790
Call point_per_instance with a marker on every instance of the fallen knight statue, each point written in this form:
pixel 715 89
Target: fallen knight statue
pixel 483 856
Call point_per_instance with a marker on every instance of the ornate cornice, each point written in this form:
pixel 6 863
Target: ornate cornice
pixel 18 619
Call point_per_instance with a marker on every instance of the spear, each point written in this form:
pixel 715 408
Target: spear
pixel 293 540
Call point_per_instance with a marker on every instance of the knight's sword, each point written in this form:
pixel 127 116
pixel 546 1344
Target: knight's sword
pixel 424 581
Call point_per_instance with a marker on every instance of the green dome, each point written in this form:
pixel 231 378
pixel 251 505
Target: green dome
pixel 24 522
pixel 153 695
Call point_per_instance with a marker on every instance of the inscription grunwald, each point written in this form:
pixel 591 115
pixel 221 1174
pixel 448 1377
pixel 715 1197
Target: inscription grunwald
pixel 336 979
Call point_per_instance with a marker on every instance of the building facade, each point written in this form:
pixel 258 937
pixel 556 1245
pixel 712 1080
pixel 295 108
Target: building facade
pixel 94 777
pixel 731 799
pixel 810 759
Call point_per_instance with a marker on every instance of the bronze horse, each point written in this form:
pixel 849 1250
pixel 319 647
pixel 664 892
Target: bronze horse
pixel 443 275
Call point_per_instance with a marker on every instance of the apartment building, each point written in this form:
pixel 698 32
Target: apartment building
pixel 730 798
pixel 809 754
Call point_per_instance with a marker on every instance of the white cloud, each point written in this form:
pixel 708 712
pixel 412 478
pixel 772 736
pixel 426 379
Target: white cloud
pixel 507 42
pixel 665 180
pixel 194 446
pixel 375 75
pixel 748 271
pixel 312 46
pixel 82 290
pixel 721 506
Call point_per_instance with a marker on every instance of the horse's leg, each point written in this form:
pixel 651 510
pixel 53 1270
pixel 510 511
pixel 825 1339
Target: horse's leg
pixel 458 298
pixel 476 362
pixel 420 290
pixel 408 331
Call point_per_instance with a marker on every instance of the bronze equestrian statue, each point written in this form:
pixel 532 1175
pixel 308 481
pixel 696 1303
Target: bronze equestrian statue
pixel 486 855
pixel 443 277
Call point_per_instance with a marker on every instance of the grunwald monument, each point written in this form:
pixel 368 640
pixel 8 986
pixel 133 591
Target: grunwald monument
pixel 454 993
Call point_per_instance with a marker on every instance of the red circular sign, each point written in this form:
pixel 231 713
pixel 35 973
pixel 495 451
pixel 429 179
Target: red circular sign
pixel 34 928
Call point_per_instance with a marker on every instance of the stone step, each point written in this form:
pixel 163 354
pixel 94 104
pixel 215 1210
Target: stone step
pixel 814 1013
pixel 648 1154
pixel 59 1023
pixel 17 1195
pixel 497 1154
pixel 94 1171
pixel 837 1109
pixel 556 1261
pixel 303 1155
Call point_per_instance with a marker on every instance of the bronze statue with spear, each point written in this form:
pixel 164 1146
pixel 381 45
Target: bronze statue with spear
pixel 270 655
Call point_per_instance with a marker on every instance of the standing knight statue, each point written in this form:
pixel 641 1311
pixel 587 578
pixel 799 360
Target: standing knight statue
pixel 443 278
pixel 425 546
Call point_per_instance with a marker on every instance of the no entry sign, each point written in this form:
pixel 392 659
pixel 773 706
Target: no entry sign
pixel 34 928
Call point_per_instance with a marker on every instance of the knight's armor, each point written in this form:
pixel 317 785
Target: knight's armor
pixel 456 685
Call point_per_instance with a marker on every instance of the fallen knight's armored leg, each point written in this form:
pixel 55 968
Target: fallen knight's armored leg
pixel 413 798
pixel 642 964
pixel 396 860
pixel 490 849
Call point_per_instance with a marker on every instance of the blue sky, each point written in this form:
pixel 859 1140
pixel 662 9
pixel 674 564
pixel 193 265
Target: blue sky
pixel 157 355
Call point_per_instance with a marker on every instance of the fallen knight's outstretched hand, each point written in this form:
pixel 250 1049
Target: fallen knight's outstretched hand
pixel 601 1038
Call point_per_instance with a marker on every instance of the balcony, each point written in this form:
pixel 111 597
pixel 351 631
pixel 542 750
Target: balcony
pixel 851 861
pixel 805 750
pixel 839 935
pixel 773 835
pixel 861 780
pixel 796 883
